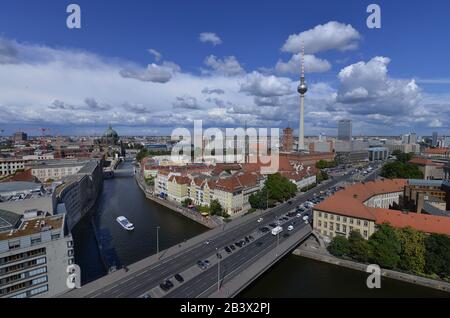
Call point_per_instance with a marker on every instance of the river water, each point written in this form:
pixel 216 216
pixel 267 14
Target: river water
pixel 292 277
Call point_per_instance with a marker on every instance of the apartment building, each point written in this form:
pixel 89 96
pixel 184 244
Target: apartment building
pixel 34 255
pixel 10 166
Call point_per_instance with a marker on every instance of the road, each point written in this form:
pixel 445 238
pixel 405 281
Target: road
pixel 142 281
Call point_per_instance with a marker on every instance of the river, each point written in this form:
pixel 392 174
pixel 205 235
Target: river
pixel 292 277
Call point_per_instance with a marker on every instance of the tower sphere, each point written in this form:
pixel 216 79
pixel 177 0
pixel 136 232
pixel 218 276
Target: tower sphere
pixel 302 88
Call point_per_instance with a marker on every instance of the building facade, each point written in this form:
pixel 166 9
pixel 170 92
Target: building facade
pixel 35 253
pixel 345 129
pixel 10 166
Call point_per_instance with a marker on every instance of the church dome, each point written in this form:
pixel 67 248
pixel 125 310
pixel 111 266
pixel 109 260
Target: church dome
pixel 110 133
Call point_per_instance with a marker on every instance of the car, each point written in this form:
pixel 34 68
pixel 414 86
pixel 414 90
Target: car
pixel 290 228
pixel 260 220
pixel 289 202
pixel 201 265
pixel 163 287
pixel 207 242
pixel 219 256
pixel 247 239
pixel 206 262
pixel 272 225
pixel 169 283
pixel 251 237
pixel 286 235
pixel 146 296
pixel 298 215
pixel 264 229
pixel 305 218
pixel 232 247
pixel 179 278
pixel 227 249
pixel 285 218
pixel 238 244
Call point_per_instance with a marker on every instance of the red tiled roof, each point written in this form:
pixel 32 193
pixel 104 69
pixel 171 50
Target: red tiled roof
pixel 421 222
pixel 437 151
pixel 350 202
pixel 180 179
pixel 424 162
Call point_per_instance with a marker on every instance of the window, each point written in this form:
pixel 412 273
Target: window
pixel 37 271
pixel 70 252
pixel 36 240
pixel 40 261
pixel 39 280
pixel 344 219
pixel 351 221
pixel 358 222
pixel 344 228
pixel 365 233
pixel 55 236
pixel 14 244
pixel 366 223
pixel 39 290
pixel 331 217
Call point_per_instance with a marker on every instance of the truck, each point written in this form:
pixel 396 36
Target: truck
pixel 277 230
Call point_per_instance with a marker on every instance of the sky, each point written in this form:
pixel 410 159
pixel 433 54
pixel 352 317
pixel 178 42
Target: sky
pixel 148 67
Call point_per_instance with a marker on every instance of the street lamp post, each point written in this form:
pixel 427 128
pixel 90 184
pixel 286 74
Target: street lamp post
pixel 218 269
pixel 157 240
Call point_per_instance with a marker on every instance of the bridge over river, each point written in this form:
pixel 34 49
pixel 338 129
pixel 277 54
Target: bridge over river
pixel 224 277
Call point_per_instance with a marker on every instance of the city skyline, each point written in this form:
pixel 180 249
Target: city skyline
pixel 162 76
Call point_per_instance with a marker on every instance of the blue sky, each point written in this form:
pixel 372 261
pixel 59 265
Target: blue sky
pixel 389 81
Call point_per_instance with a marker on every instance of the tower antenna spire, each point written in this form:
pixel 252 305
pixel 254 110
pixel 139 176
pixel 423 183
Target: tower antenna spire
pixel 302 73
pixel 302 89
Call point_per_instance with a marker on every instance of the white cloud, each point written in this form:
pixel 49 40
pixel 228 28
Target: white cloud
pixel 366 89
pixel 157 56
pixel 324 37
pixel 435 123
pixel 154 73
pixel 210 37
pixel 312 65
pixel 187 102
pixel 257 84
pixel 228 66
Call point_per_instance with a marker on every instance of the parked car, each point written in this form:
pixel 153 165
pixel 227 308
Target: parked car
pixel 227 249
pixel 201 265
pixel 290 228
pixel 260 220
pixel 179 278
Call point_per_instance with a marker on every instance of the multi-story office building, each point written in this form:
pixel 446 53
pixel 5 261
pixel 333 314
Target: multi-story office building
pixel 35 253
pixel 345 129
pixel 20 137
pixel 434 139
pixel 378 153
pixel 10 166
pixel 410 138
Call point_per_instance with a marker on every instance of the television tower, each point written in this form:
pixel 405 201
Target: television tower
pixel 302 89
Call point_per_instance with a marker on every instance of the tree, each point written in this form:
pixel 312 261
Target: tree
pixel 322 164
pixel 141 154
pixel 339 246
pixel 401 156
pixel 401 170
pixel 321 176
pixel 412 255
pixel 215 208
pixel 186 202
pixel 385 247
pixel 280 188
pixel 259 199
pixel 437 255
pixel 359 247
